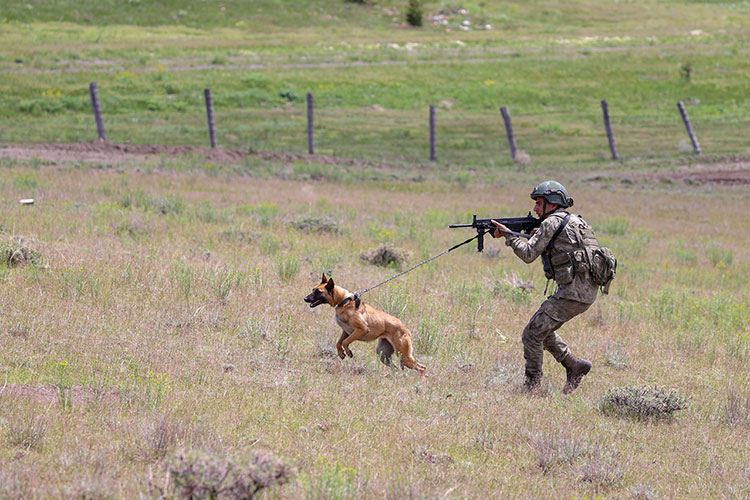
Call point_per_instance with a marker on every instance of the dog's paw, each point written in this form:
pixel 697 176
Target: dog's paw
pixel 349 353
pixel 342 355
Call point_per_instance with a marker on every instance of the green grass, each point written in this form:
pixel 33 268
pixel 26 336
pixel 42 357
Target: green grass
pixel 543 61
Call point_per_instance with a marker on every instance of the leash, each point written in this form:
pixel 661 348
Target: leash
pixel 359 294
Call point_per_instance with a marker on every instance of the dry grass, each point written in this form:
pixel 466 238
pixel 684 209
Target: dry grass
pixel 176 335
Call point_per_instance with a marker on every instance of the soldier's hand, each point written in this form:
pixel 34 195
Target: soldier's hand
pixel 500 229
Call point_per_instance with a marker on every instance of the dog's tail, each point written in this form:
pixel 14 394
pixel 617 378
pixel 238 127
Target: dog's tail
pixel 385 350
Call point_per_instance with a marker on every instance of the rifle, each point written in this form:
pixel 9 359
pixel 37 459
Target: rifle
pixel 515 224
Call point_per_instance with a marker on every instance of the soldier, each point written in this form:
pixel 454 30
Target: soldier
pixel 561 240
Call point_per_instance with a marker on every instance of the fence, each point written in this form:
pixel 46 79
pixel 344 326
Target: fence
pixel 432 123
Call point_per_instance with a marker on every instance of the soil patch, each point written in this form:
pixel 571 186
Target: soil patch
pixel 116 153
pixel 730 170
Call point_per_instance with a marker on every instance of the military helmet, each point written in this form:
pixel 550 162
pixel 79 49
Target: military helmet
pixel 553 192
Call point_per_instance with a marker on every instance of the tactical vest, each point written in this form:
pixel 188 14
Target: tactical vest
pixel 563 263
pixel 582 256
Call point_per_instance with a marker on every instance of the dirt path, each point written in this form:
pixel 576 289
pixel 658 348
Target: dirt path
pixel 728 170
pixel 112 153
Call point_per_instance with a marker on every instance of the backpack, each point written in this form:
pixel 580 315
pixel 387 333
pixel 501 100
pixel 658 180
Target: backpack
pixel 602 266
pixel 602 262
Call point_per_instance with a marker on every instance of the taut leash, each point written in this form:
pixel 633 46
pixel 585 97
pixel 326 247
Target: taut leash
pixel 359 294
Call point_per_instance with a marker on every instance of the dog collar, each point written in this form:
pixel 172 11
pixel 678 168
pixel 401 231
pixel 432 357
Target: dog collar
pixel 351 298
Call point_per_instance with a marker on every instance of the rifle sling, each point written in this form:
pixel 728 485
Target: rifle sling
pixel 551 243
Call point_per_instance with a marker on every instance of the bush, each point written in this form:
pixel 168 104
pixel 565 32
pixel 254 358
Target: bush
pixel 15 252
pixel 414 13
pixel 316 225
pixel 646 403
pixel 385 255
pixel 289 95
pixel 201 475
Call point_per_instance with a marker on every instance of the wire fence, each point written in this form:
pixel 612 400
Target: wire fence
pixel 458 133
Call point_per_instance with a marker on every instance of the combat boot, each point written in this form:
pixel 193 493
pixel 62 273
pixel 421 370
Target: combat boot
pixel 531 382
pixel 576 368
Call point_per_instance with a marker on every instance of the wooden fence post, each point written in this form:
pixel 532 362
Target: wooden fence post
pixel 310 124
pixel 509 131
pixel 210 114
pixel 608 128
pixel 433 157
pixel 689 127
pixel 94 92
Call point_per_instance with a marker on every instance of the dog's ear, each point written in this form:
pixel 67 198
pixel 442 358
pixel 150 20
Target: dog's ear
pixel 329 285
pixel 324 280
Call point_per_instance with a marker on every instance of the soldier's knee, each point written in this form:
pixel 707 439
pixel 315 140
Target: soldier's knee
pixel 528 337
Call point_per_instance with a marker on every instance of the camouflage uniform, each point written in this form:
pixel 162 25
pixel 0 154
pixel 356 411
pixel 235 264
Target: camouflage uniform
pixel 570 299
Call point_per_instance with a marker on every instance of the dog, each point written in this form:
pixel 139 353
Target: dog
pixel 360 321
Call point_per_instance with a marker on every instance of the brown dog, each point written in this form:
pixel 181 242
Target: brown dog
pixel 360 321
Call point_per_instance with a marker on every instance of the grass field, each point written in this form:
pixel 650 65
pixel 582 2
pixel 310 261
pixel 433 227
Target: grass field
pixel 152 330
pixel 373 78
pixel 168 306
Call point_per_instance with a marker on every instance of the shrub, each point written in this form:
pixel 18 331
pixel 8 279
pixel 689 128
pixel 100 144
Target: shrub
pixel 289 95
pixel 385 255
pixel 317 225
pixel 414 13
pixel 202 475
pixel 645 403
pixel 15 252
